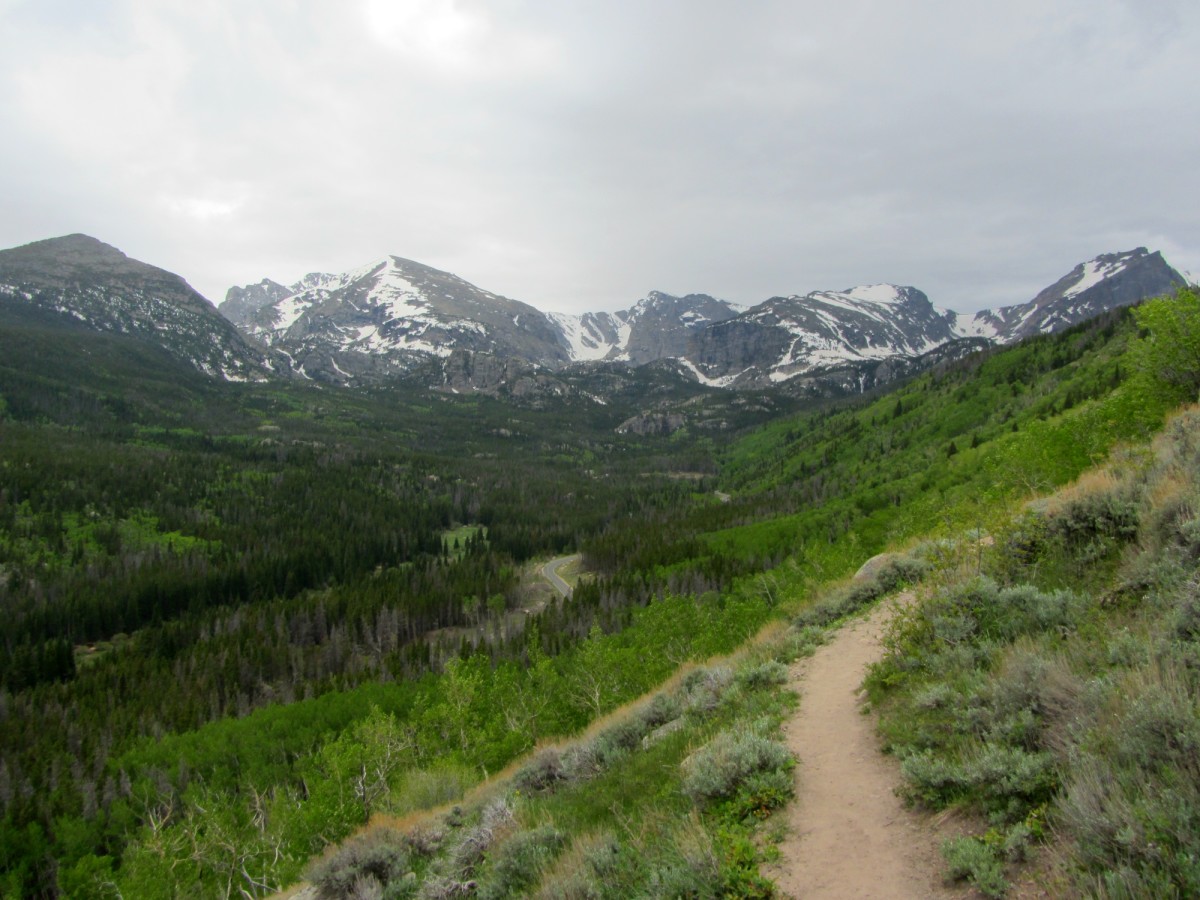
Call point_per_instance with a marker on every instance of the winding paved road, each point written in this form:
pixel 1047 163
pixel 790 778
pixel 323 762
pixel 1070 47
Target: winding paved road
pixel 550 573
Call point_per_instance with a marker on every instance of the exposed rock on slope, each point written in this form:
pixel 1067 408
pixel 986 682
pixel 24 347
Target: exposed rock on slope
pixel 84 283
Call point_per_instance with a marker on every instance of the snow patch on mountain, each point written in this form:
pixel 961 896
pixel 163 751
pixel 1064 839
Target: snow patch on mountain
pixel 723 381
pixel 975 327
pixel 592 336
pixel 875 293
pixel 658 326
pixel 1095 271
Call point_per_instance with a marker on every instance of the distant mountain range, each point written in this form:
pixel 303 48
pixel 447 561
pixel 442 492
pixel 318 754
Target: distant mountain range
pixel 787 337
pixel 397 314
pixel 399 318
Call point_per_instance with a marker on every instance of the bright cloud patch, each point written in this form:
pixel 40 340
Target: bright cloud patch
pixel 438 32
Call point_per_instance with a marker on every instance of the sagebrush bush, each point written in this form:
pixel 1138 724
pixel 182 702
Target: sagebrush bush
pixel 721 766
pixel 1132 803
pixel 542 773
pixel 939 695
pixel 468 851
pixel 704 688
pixel 1160 725
pixel 979 613
pixel 1014 843
pixel 660 710
pixel 1171 520
pixel 763 675
pixel 626 735
pixel 932 778
pixel 840 602
pixel 1082 517
pixel 1001 775
pixel 581 761
pixel 1031 702
pixel 376 856
pixel 424 841
pixel 1185 619
pixel 901 570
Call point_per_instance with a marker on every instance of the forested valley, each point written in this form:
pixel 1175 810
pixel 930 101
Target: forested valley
pixel 242 618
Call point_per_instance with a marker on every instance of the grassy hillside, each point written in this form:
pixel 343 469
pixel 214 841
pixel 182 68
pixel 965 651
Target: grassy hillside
pixel 1049 686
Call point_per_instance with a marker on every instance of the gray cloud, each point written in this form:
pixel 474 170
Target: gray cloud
pixel 578 155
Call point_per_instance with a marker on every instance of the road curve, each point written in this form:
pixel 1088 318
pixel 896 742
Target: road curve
pixel 550 573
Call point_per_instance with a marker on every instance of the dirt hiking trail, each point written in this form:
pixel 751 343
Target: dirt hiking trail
pixel 849 835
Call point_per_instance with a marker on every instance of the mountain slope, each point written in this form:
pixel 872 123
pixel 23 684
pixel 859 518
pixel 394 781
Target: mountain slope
pixel 78 282
pixel 658 326
pixel 386 317
pixel 787 337
pixel 397 315
pixel 1109 281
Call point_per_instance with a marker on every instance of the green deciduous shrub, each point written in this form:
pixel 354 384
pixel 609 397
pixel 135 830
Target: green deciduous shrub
pixel 517 864
pixel 973 860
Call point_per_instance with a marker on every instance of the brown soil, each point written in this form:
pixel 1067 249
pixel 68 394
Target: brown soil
pixel 849 835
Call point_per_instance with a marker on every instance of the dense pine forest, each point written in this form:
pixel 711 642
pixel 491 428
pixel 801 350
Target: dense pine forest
pixel 242 619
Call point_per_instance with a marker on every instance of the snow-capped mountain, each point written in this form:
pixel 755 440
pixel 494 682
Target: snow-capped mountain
pixel 1106 282
pixel 658 326
pixel 394 314
pixel 386 317
pixel 398 316
pixel 789 336
pixel 79 282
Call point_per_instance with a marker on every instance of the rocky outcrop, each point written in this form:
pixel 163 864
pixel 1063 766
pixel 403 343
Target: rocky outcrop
pixel 656 423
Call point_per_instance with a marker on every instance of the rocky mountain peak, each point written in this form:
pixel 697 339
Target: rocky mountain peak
pixel 1106 282
pixel 83 282
pixel 80 260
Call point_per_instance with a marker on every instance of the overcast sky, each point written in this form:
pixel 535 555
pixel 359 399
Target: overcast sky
pixel 576 155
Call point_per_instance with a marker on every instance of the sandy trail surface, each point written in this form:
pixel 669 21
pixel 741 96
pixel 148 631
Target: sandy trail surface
pixel 849 834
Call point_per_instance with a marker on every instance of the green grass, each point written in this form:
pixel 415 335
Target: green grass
pixel 455 540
